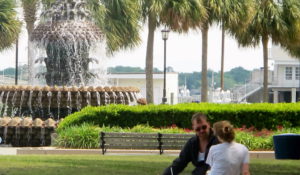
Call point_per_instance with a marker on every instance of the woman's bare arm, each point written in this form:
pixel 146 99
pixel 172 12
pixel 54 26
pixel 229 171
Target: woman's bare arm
pixel 245 169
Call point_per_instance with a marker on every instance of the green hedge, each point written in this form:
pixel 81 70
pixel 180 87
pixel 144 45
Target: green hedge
pixel 260 115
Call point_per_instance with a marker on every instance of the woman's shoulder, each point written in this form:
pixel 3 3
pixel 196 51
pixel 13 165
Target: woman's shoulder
pixel 218 146
pixel 241 146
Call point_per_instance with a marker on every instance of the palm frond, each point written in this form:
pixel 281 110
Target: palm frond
pixel 183 15
pixel 9 26
pixel 276 21
pixel 120 22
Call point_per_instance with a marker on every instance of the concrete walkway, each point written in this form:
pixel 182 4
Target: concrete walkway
pixel 6 150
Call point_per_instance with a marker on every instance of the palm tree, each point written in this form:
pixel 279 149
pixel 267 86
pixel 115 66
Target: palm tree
pixel 30 8
pixel 9 26
pixel 122 26
pixel 151 10
pixel 272 21
pixel 234 14
pixel 149 13
pixel 202 16
pixel 292 42
pixel 179 16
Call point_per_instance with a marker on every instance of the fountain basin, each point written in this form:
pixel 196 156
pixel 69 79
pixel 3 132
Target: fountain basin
pixel 58 102
pixel 26 132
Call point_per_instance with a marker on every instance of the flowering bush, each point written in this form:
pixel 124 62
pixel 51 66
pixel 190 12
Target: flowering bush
pixel 87 135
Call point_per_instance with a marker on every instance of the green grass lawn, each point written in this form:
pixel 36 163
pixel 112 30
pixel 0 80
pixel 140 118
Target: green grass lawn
pixel 125 165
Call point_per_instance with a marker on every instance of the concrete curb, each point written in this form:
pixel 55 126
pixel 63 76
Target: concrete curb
pixel 57 151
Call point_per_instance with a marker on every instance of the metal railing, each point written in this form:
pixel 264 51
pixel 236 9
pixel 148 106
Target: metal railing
pixel 240 93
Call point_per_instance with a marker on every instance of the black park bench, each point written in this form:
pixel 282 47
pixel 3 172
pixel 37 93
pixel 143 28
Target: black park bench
pixel 142 141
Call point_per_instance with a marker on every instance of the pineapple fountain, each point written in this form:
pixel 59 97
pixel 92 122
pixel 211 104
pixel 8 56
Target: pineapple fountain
pixel 66 33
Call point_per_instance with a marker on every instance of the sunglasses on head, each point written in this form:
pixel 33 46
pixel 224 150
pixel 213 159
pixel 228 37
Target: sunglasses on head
pixel 204 127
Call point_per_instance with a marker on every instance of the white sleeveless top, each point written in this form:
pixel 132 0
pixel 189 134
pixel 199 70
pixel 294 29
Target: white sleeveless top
pixel 227 158
pixel 201 157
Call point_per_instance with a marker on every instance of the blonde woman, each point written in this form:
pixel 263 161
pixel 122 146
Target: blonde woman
pixel 228 157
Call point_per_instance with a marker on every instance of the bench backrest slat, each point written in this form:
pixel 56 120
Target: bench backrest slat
pixel 114 140
pixel 126 141
pixel 116 134
pixel 132 147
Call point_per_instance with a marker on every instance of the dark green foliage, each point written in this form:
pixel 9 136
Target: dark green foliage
pixel 260 116
pixel 125 69
pixel 128 69
pixel 239 74
pixel 10 27
pixel 119 21
pixel 192 80
pixel 9 71
pixel 233 77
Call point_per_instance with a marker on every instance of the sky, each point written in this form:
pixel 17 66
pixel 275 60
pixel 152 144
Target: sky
pixel 183 52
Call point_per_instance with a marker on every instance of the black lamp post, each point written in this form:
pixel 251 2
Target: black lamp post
pixel 165 35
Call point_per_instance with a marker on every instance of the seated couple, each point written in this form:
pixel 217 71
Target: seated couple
pixel 212 151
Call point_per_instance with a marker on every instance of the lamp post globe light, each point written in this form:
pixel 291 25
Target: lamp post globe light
pixel 165 35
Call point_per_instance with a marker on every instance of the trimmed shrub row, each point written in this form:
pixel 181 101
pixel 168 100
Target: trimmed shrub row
pixel 260 115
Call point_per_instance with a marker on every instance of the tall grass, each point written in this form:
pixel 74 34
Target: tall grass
pixel 83 136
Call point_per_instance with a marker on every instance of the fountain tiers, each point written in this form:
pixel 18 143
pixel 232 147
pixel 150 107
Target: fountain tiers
pixel 67 34
pixel 26 132
pixel 58 102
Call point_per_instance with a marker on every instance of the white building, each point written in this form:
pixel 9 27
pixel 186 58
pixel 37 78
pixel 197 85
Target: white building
pixel 286 76
pixel 139 80
pixel 283 80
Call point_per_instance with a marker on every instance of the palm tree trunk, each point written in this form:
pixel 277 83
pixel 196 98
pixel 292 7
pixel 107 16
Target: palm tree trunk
pixel 30 28
pixel 222 58
pixel 204 31
pixel 149 58
pixel 265 41
pixel 30 9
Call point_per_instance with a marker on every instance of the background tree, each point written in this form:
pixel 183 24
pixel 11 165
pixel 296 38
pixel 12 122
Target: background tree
pixel 10 27
pixel 273 21
pixel 234 77
pixel 233 14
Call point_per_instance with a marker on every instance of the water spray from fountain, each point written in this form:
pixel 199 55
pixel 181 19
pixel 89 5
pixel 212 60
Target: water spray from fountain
pixel 64 40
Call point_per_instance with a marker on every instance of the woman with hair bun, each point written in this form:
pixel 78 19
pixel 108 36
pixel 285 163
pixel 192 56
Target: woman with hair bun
pixel 228 157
